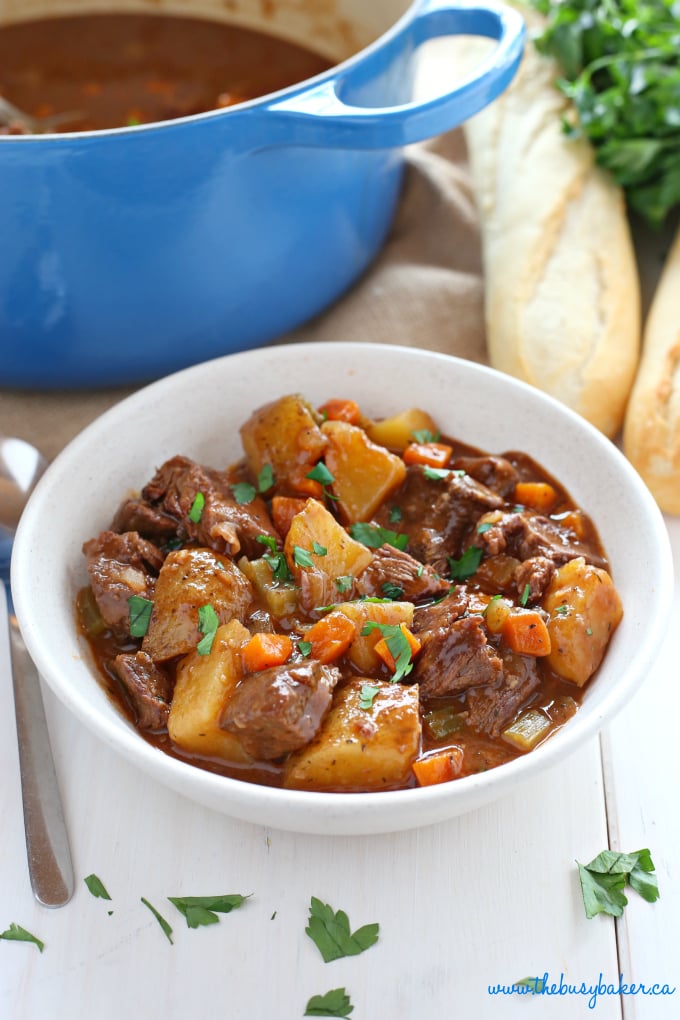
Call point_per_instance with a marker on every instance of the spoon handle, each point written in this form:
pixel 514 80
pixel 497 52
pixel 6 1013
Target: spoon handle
pixel 49 854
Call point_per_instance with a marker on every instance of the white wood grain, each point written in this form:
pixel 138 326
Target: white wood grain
pixel 489 898
pixel 641 751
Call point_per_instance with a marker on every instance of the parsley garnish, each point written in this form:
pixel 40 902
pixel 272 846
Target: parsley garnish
pixel 302 557
pixel 208 622
pixel 196 510
pixel 243 492
pixel 367 695
pixel 397 642
pixel 604 879
pixel 526 592
pixel 96 887
pixel 15 933
pixel 426 436
pixel 140 615
pixel 562 610
pixel 534 983
pixel 374 536
pixel 167 930
pixel 344 583
pixel 304 647
pixel 333 1003
pixel 275 559
pixel 203 910
pixel 486 526
pixel 265 479
pixel 318 549
pixel 391 591
pixel 320 473
pixel 467 565
pixel 330 932
pixel 436 474
pixel 396 515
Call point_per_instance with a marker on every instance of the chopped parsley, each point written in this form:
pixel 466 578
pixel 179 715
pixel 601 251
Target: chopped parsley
pixel 15 933
pixel 302 557
pixel 374 536
pixel 398 644
pixel 167 930
pixel 275 559
pixel 367 696
pixel 196 509
pixel 391 591
pixel 330 932
pixel 304 647
pixel 244 492
pixel 604 879
pixel 344 582
pixel 208 622
pixel 318 549
pixel 96 887
pixel 320 473
pixel 436 474
pixel 140 615
pixel 336 1002
pixel 265 479
pixel 466 566
pixel 396 515
pixel 526 592
pixel 426 436
pixel 203 910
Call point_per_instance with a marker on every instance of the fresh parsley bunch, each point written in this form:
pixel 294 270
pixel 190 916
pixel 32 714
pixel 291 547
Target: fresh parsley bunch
pixel 621 66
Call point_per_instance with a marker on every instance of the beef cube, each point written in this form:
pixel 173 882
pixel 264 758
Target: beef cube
pixel 455 654
pixel 536 572
pixel 150 521
pixel 391 568
pixel 525 535
pixel 120 566
pixel 148 688
pixel 496 473
pixel 492 708
pixel 280 709
pixel 224 524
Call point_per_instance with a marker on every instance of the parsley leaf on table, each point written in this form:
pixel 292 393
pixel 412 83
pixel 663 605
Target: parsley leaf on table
pixel 606 876
pixel 15 933
pixel 96 887
pixel 167 930
pixel 333 1003
pixel 330 932
pixel 203 910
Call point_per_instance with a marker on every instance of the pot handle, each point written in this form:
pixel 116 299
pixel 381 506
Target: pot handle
pixel 318 115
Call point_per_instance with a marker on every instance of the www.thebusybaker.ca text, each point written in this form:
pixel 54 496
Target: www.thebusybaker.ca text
pixel 544 986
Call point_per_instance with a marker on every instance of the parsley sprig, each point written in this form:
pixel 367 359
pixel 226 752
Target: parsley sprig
pixel 606 876
pixel 330 932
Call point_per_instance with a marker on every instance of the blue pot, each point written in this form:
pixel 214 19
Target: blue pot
pixel 131 253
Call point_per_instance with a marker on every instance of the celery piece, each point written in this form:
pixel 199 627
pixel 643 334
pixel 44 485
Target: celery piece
pixel 442 722
pixel 88 611
pixel 527 730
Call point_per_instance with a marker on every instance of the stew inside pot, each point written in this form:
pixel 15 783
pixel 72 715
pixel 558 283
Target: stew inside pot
pixel 356 605
pixel 117 70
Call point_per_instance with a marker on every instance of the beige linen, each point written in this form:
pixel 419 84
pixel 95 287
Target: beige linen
pixel 423 290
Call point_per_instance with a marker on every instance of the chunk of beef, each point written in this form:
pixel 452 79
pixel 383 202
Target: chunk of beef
pixel 537 572
pixel 224 524
pixel 148 687
pixel 120 566
pixel 150 521
pixel 441 614
pixel 492 708
pixel 526 535
pixel 397 569
pixel 439 514
pixel 280 709
pixel 496 473
pixel 455 654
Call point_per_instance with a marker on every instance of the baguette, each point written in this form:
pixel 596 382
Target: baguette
pixel 651 434
pixel 562 294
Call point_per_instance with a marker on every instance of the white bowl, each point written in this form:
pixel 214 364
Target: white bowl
pixel 197 412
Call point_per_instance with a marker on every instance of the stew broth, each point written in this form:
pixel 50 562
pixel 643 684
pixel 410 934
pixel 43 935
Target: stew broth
pixel 117 70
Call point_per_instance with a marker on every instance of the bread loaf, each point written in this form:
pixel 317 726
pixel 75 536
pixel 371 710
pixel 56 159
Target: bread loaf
pixel 562 302
pixel 651 435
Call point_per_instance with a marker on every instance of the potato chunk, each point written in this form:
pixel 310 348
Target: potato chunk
pixel 365 473
pixel 397 432
pixel 361 652
pixel 190 578
pixel 285 434
pixel 585 609
pixel 344 557
pixel 204 686
pixel 361 748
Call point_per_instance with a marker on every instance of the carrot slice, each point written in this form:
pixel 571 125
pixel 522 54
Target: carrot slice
pixel 538 495
pixel 341 410
pixel 436 455
pixel 284 509
pixel 266 650
pixel 440 767
pixel 330 637
pixel 381 647
pixel 526 633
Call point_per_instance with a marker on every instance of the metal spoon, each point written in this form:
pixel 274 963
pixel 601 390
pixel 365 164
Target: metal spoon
pixel 49 855
pixel 11 114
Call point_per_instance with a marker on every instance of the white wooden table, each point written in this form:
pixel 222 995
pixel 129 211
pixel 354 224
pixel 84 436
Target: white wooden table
pixel 482 900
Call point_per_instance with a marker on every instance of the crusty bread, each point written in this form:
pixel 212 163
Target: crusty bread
pixel 562 296
pixel 651 435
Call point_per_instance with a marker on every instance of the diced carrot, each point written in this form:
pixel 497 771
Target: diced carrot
pixel 526 633
pixel 266 650
pixel 341 410
pixel 440 767
pixel 538 495
pixel 308 487
pixel 284 509
pixel 381 648
pixel 330 637
pixel 436 455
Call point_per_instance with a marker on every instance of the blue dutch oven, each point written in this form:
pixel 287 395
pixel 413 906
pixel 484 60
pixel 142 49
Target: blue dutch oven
pixel 131 253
